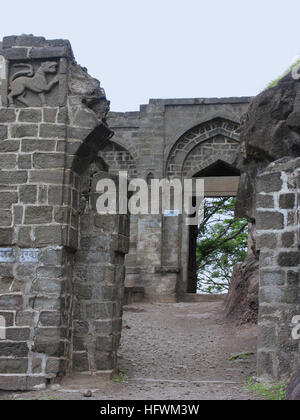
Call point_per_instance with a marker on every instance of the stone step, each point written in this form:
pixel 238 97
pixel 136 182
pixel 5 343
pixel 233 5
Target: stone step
pixel 194 298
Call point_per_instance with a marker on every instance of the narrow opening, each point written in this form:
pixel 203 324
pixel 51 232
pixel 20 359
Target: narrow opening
pixel 220 242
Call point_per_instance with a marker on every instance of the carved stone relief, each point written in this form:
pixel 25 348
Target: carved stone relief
pixel 35 84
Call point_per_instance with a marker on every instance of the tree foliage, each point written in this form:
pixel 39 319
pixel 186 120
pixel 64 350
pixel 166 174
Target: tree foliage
pixel 221 243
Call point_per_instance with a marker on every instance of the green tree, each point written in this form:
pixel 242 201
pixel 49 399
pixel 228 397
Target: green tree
pixel 222 243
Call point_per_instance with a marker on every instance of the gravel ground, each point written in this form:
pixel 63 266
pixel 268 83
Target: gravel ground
pixel 172 351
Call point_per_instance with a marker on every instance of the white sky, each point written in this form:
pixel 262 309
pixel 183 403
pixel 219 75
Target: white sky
pixel 141 49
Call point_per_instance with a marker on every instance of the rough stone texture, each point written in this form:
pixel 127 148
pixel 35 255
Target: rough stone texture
pixel 269 131
pixel 242 300
pixel 98 283
pixel 47 143
pixel 279 260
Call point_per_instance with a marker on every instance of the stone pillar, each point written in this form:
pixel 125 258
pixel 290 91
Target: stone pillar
pixel 99 274
pixel 52 125
pixel 277 223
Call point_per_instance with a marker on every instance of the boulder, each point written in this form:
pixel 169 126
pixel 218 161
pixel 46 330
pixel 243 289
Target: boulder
pixel 269 131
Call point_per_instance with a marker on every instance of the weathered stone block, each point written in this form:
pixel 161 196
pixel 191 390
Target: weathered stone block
pixel 47 176
pixel 7 199
pixel 289 259
pixel 8 161
pixel 25 270
pixel 16 53
pixel 25 237
pixel 19 349
pixel 59 196
pixel 24 130
pixel 3 132
pixel 5 218
pixel 50 318
pixel 49 334
pixel 287 201
pixel 52 131
pixel 100 310
pixel 48 160
pixel 83 291
pixel 12 366
pixel 51 349
pixel 13 177
pixel 25 318
pixel 49 286
pixel 17 334
pixel 62 215
pixel 49 52
pixel 265 201
pixel 104 344
pixel 269 182
pixel 272 294
pixel 9 318
pixel 288 239
pixel 28 194
pixel 272 277
pixel 7 146
pixel 80 362
pixel 35 215
pixel 30 115
pixel 39 303
pixel 7 115
pixel 6 236
pixel 52 256
pixel 33 145
pixel 50 114
pixel 11 302
pixel 24 162
pixel 293 278
pixel 105 361
pixel 18 214
pixel 269 220
pixel 36 365
pixel 48 235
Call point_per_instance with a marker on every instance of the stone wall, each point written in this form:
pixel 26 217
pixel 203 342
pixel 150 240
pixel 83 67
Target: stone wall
pixel 277 224
pixel 52 125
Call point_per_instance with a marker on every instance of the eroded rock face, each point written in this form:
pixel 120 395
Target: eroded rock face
pixel 89 88
pixel 242 299
pixel 270 131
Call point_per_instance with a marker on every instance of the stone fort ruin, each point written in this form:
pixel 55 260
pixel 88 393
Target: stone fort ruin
pixel 64 268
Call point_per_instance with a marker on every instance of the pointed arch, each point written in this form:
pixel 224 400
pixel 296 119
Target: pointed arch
pixel 212 140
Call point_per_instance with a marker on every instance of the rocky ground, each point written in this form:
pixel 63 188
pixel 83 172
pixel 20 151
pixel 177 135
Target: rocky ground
pixel 172 351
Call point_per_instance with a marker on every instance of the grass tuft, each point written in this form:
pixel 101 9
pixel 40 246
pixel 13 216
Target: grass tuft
pixel 274 392
pixel 275 81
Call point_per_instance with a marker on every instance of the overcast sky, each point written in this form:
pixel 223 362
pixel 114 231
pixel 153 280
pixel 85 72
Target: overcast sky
pixel 141 49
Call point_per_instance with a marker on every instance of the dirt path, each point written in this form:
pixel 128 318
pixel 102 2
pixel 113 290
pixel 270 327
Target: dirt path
pixel 175 351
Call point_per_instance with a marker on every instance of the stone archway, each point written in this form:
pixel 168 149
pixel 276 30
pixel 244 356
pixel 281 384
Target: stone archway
pixel 172 138
pixel 207 151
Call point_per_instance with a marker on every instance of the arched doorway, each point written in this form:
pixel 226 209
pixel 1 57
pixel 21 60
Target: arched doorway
pixel 207 151
pixel 220 180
